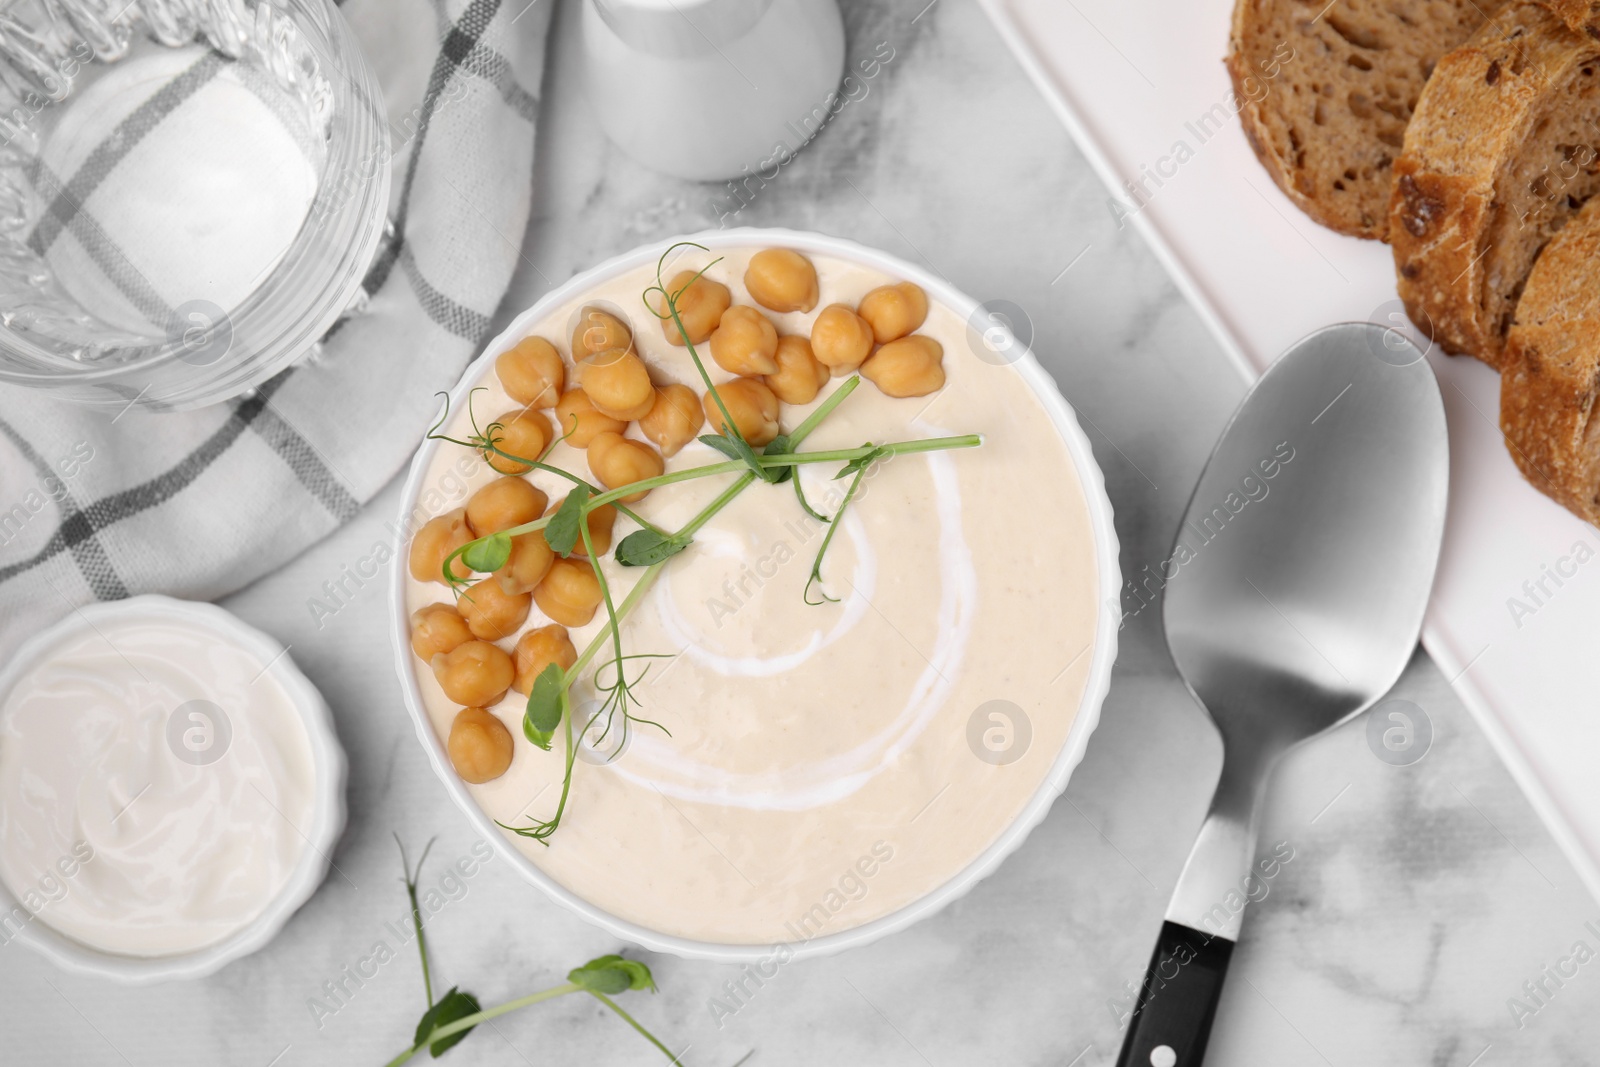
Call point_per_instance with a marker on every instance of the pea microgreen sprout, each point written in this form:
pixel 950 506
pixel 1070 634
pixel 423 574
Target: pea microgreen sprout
pixel 550 697
pixel 550 705
pixel 449 1020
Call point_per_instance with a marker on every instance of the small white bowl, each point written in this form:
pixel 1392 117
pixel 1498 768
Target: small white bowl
pixel 1108 574
pixel 328 807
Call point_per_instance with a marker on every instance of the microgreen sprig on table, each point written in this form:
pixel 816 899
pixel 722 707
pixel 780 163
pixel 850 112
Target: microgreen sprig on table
pixel 449 1020
pixel 550 705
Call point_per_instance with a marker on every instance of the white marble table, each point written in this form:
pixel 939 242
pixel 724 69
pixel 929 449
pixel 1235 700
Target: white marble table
pixel 1419 899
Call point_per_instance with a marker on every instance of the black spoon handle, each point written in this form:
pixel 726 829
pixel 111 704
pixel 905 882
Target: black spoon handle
pixel 1172 1017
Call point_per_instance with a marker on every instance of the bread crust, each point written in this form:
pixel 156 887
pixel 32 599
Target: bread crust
pixel 1551 380
pixel 1253 118
pixel 1452 212
pixel 1582 15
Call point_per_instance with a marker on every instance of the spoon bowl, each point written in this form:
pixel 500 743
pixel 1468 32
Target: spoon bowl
pixel 1302 608
pixel 1294 599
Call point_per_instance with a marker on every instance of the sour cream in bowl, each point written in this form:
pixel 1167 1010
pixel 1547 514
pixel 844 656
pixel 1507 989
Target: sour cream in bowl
pixel 170 790
pixel 823 755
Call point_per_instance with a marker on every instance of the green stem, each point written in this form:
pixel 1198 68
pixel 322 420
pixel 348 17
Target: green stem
pixel 615 623
pixel 898 448
pixel 422 944
pixel 631 1021
pixel 571 757
pixel 796 459
pixel 527 527
pixel 646 484
pixel 540 831
pixel 827 539
pixel 467 1022
pixel 730 427
pixel 709 512
pixel 825 409
pixel 416 912
pixel 805 505
pixel 629 602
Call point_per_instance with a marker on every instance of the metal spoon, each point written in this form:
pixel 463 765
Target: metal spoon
pixel 1294 599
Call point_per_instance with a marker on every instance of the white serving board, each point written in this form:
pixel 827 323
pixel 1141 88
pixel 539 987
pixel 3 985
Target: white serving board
pixel 1134 81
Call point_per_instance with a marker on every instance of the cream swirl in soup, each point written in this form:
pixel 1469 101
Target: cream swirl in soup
pixel 821 765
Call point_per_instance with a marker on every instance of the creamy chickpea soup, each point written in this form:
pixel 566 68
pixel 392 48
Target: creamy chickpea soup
pixel 806 755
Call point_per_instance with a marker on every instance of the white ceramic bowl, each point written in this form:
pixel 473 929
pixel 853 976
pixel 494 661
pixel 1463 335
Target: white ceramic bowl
pixel 328 808
pixel 1108 574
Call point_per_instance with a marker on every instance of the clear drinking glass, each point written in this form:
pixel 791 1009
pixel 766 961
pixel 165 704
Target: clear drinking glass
pixel 190 192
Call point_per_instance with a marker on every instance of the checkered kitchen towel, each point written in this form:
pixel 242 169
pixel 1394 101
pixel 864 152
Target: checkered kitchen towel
pixel 198 504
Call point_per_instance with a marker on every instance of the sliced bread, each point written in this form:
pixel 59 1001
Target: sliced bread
pixel 1552 370
pixel 1504 148
pixel 1325 91
pixel 1581 15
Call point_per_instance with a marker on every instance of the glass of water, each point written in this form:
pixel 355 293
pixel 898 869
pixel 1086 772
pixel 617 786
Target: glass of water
pixel 190 192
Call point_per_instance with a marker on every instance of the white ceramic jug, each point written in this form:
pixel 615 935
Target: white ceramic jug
pixel 712 89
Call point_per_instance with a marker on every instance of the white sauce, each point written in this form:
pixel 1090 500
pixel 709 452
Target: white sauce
pixel 819 773
pixel 152 777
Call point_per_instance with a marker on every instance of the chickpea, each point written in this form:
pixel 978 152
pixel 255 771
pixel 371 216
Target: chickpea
pixel 700 307
pixel 799 375
pixel 840 339
pixel 524 433
pixel 480 746
pixel 536 650
pixel 674 418
pixel 581 420
pixel 570 593
pixel 744 342
pixel 532 372
pixel 911 366
pixel 491 612
pixel 894 310
pixel 476 673
pixel 437 628
pixel 599 331
pixel 753 406
pixel 504 503
pixel 618 384
pixel 527 565
pixel 601 520
pixel 781 279
pixel 439 537
pixel 617 461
